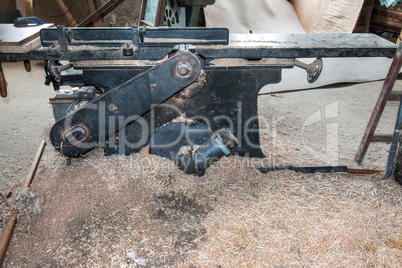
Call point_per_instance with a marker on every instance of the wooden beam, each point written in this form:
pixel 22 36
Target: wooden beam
pixel 34 165
pixel 396 23
pixel 381 138
pixel 159 13
pixel 9 229
pixel 93 9
pixel 7 234
pixel 388 13
pixel 66 12
pixel 395 95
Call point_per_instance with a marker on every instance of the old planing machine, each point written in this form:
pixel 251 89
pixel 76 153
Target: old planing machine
pixel 189 93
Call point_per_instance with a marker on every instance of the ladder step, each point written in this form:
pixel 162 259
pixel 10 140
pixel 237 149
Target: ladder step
pixel 395 96
pixel 382 138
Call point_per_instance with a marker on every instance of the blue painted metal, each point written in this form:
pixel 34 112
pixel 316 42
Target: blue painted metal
pixel 28 21
pixel 392 156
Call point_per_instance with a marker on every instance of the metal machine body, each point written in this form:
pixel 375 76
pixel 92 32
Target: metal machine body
pixel 136 80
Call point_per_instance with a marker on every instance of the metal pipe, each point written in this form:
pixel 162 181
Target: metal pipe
pixel 389 169
pixel 302 65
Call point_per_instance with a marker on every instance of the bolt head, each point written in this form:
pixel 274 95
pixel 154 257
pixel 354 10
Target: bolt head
pixel 183 69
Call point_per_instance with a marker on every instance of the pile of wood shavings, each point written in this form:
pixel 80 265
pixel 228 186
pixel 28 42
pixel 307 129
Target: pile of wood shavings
pixel 303 220
pixel 100 208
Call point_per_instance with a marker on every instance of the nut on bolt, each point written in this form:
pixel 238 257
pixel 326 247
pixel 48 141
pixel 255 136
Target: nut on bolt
pixel 183 69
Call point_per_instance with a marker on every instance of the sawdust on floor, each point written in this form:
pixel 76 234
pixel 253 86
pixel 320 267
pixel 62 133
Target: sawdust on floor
pixel 97 210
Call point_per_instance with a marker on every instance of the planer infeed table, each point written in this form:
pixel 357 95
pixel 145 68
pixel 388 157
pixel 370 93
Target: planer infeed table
pixel 190 93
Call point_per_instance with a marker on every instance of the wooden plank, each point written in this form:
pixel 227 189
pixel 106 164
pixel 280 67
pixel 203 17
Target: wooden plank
pixel 160 12
pixel 388 13
pixel 23 48
pixel 396 23
pixel 19 39
pixel 11 35
pixel 363 24
pixel 92 7
pixel 385 27
pixel 67 14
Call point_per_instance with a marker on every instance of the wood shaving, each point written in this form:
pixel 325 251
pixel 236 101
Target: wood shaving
pixel 97 210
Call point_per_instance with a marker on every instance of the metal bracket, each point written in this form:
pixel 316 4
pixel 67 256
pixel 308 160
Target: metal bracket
pixel 84 128
pixel 62 38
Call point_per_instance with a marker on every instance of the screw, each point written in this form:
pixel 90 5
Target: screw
pixel 115 109
pixel 153 85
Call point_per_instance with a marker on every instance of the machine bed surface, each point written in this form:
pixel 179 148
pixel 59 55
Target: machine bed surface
pixel 156 43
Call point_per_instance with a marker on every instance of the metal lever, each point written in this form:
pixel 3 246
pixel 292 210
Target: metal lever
pixel 81 130
pixel 313 69
pixel 53 71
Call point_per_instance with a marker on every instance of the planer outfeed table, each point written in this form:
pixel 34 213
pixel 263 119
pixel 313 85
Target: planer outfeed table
pixel 132 83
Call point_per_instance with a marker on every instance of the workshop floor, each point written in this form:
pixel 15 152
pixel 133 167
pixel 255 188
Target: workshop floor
pixel 315 127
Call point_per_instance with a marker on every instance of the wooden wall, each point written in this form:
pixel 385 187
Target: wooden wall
pixel 387 21
pixel 51 12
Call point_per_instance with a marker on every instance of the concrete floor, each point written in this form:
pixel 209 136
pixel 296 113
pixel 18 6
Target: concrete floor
pixel 26 119
pixel 326 124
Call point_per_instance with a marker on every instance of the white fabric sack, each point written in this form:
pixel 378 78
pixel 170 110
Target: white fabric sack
pixel 279 16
